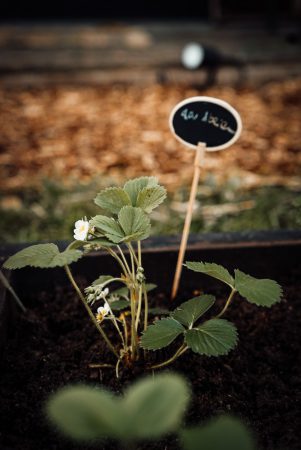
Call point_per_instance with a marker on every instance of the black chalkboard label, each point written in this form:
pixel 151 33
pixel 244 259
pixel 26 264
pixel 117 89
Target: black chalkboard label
pixel 205 119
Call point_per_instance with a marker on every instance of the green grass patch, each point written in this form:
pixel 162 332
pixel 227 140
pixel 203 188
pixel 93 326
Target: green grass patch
pixel 49 212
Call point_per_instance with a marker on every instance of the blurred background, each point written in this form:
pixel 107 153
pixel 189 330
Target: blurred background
pixel 86 89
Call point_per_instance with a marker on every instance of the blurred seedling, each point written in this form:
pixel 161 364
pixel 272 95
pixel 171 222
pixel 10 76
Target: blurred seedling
pixel 150 409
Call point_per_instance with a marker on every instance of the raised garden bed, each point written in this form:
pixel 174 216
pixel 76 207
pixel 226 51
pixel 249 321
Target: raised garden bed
pixel 53 344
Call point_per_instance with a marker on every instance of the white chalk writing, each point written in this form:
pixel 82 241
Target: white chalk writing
pixel 189 115
pixel 209 118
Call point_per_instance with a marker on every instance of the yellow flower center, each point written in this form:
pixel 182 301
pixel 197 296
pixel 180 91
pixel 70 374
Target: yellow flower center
pixel 99 317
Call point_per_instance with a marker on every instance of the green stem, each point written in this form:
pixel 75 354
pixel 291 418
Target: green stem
pixel 125 331
pixel 74 244
pixel 139 253
pixel 115 256
pixel 101 366
pixel 133 291
pixel 138 308
pixel 145 307
pixel 133 329
pixel 140 287
pixel 178 353
pixel 117 367
pixel 144 289
pixel 9 287
pixel 92 317
pixel 117 326
pixel 130 247
pixel 111 280
pixel 233 291
pixel 124 259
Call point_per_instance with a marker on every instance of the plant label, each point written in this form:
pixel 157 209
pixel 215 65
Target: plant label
pixel 207 120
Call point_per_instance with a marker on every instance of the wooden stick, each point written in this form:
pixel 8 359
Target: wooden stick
pixel 200 152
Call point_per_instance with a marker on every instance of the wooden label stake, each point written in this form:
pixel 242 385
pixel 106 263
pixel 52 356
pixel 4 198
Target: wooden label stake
pixel 204 124
pixel 199 158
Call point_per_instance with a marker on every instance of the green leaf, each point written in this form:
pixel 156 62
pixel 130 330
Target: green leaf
pixel 213 270
pixel 262 292
pixel 151 197
pixel 189 312
pixel 224 433
pixel 134 223
pixel 77 244
pixel 85 413
pixel 150 408
pixel 157 311
pixel 43 256
pixel 112 199
pixel 64 258
pixel 109 227
pixel 124 291
pixel 133 187
pixel 161 333
pixel 212 338
pixel 155 406
pixel 121 292
pixel 102 279
pixel 118 305
pixel 101 242
pixel 150 287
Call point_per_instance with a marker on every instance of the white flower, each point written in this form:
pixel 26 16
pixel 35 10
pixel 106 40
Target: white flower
pixel 102 311
pixel 81 230
pixel 102 294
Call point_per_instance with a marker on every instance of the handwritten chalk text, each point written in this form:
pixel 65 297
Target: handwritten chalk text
pixel 209 118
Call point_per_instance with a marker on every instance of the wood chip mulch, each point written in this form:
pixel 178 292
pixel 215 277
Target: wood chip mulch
pixel 119 132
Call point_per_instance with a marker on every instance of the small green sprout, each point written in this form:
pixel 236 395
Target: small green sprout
pixel 148 410
pixel 126 308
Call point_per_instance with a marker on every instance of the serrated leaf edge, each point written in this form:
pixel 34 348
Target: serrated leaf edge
pixel 154 324
pixel 208 334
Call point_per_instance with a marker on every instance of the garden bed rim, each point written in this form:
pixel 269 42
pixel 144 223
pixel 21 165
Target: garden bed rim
pixel 246 239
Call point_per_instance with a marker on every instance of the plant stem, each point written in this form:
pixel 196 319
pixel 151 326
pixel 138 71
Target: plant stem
pixel 117 368
pixel 130 247
pixel 178 353
pixel 117 326
pixel 138 308
pixel 133 329
pixel 139 253
pixel 124 259
pixel 143 289
pixel 133 305
pixel 92 317
pixel 125 330
pixel 74 244
pixel 111 280
pixel 9 287
pixel 145 307
pixel 101 366
pixel 233 291
pixel 140 287
pixel 115 256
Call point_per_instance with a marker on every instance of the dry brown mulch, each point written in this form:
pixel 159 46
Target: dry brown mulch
pixel 122 131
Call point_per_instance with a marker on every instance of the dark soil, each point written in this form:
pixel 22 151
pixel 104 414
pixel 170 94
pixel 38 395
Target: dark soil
pixel 54 344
